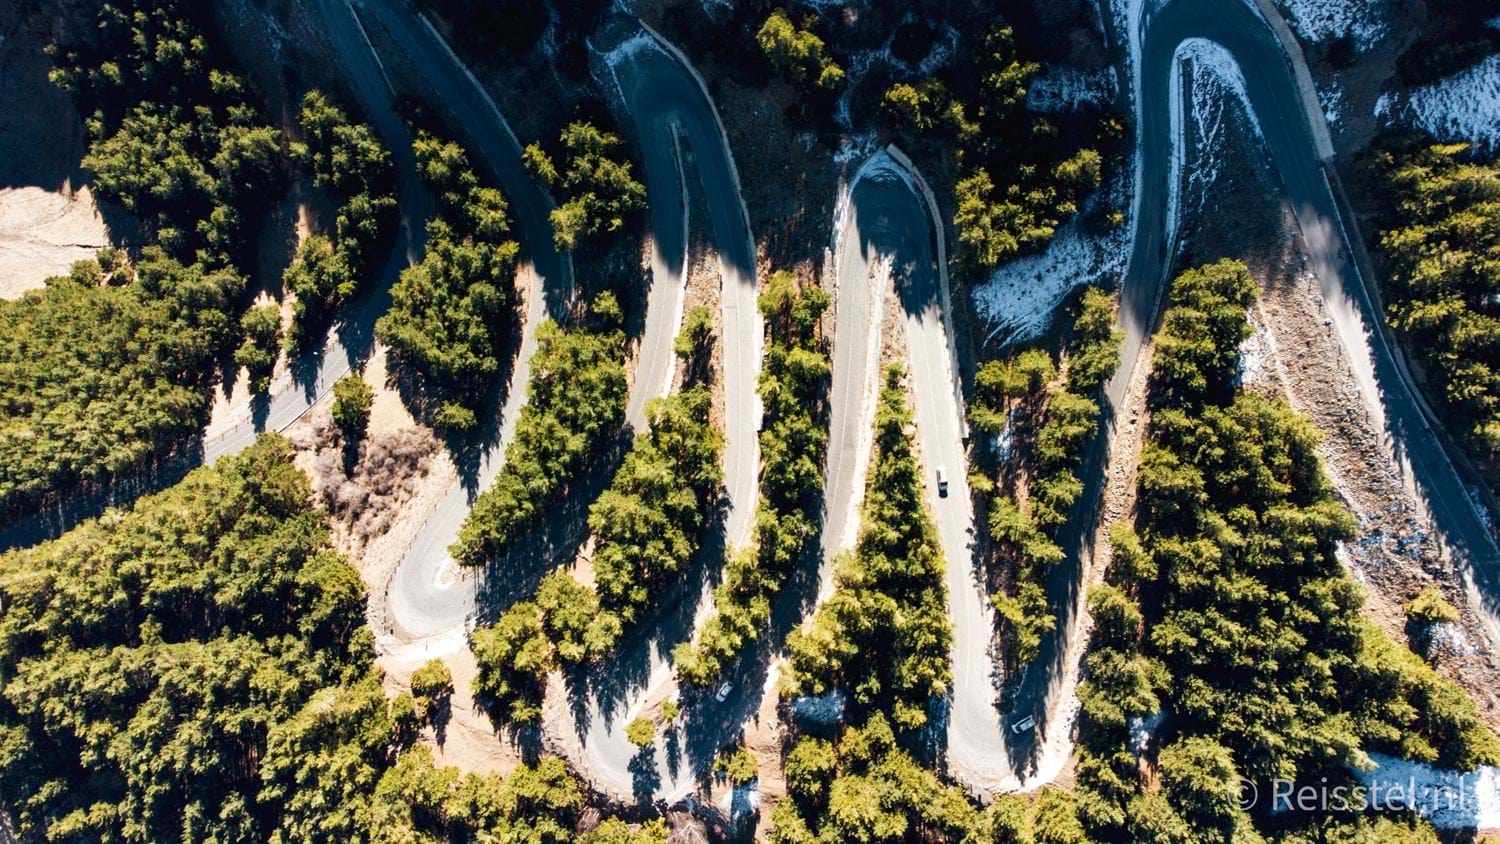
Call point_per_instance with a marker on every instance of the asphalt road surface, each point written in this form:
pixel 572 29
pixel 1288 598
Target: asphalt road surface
pixel 670 112
pixel 891 235
pixel 428 595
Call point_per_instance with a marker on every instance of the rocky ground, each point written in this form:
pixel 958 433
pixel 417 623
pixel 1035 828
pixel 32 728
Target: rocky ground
pixel 1395 553
pixel 43 232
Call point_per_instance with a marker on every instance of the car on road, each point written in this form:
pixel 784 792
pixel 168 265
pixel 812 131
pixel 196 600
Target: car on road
pixel 1025 725
pixel 942 479
pixel 724 691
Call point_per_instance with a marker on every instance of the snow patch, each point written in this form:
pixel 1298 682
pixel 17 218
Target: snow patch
pixel 1351 564
pixel 1451 638
pixel 1019 298
pixel 942 49
pixel 1476 500
pixel 1063 89
pixel 628 49
pixel 820 709
pixel 1319 20
pixel 1331 100
pixel 712 8
pixel 861 62
pixel 1255 353
pixel 1216 81
pixel 1463 107
pixel 859 65
pixel 741 801
pixel 1003 443
pixel 853 148
pixel 1143 729
pixel 1447 799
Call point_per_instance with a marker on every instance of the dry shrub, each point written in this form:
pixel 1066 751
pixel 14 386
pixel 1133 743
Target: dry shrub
pixel 382 475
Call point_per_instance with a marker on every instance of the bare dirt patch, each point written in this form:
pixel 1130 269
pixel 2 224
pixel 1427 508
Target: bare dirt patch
pixel 379 492
pixel 43 232
pixel 462 735
pixel 48 217
pixel 703 288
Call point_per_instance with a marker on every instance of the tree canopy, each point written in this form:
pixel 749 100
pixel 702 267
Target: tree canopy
pixel 1439 231
pixel 449 312
pixel 575 403
pixel 798 52
pixel 103 376
pixel 598 192
pixel 1053 427
pixel 792 441
pixel 1017 182
pixel 647 526
pixel 648 523
pixel 347 160
pixel 198 669
pixel 177 139
pixel 884 635
pixel 1231 612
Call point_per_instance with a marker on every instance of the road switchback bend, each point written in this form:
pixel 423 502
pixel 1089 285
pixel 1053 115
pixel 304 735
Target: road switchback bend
pixel 427 594
pixel 1285 111
pixel 667 107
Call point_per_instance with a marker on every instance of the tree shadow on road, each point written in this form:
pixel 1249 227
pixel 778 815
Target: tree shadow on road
pixel 552 542
pixel 604 688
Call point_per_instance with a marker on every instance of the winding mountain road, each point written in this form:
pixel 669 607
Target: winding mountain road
pixel 1285 106
pixel 891 218
pixel 669 110
pixel 428 596
pixel 888 228
pixel 893 235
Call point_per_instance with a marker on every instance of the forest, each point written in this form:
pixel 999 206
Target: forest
pixel 349 163
pixel 649 523
pixel 198 669
pixel 1439 227
pixel 792 441
pixel 177 139
pixel 106 372
pixel 1017 178
pixel 883 639
pixel 575 404
pixel 450 311
pixel 1228 610
pixel 647 526
pixel 1049 426
pixel 798 53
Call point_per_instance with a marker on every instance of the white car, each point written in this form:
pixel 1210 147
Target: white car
pixel 1025 725
pixel 942 479
pixel 724 691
